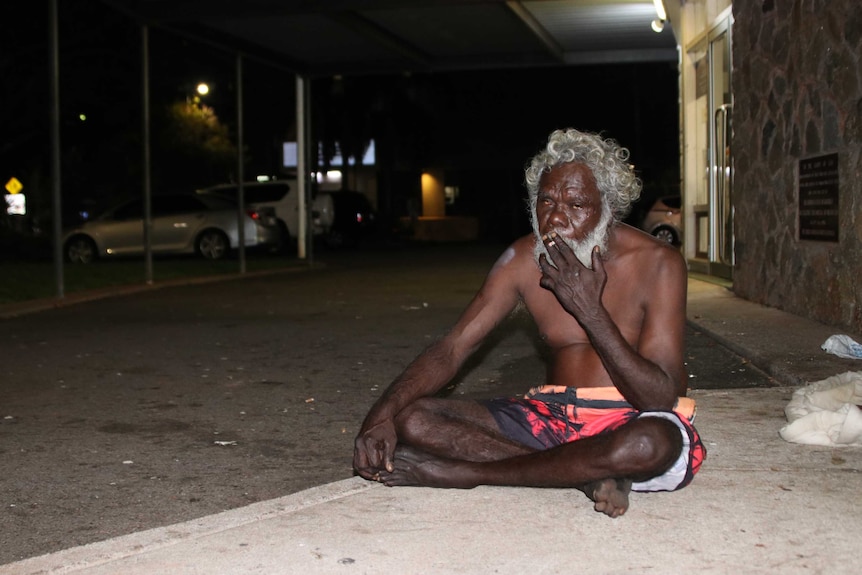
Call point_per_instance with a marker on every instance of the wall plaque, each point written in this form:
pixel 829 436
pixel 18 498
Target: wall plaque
pixel 818 198
pixel 701 78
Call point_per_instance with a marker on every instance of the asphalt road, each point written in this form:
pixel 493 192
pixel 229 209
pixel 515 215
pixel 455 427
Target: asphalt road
pixel 144 410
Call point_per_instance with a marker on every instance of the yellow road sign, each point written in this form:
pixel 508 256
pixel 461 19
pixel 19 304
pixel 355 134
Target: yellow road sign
pixel 13 186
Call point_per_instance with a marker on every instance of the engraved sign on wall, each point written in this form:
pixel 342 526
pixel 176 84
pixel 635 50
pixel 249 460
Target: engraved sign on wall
pixel 818 198
pixel 701 78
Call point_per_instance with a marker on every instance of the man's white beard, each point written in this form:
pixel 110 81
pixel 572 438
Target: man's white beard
pixel 584 248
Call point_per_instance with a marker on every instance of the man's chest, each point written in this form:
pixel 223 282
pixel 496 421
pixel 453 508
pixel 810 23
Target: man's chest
pixel 559 328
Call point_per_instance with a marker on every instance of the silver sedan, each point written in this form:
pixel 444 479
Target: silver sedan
pixel 181 224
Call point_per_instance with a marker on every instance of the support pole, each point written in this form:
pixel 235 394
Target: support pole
pixel 301 168
pixel 309 230
pixel 147 164
pixel 55 151
pixel 240 173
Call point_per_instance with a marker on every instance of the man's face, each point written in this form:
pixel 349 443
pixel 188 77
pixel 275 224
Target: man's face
pixel 569 203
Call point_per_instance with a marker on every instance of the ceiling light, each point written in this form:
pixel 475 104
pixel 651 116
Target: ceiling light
pixel 657 25
pixel 659 11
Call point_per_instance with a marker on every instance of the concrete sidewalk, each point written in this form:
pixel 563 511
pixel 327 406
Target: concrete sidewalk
pixel 759 504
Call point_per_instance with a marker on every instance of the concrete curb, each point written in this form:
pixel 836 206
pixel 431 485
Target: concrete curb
pixel 159 538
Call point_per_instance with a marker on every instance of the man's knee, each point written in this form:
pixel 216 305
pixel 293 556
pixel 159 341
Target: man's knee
pixel 650 445
pixel 413 420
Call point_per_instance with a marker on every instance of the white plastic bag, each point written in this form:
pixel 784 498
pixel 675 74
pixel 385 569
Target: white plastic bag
pixel 826 412
pixel 842 346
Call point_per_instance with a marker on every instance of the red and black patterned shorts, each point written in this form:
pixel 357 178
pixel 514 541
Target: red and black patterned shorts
pixel 553 415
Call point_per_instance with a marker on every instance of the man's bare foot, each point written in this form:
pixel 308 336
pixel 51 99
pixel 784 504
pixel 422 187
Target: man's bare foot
pixel 611 496
pixel 415 467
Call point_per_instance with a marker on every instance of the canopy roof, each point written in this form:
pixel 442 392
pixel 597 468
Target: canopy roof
pixel 350 37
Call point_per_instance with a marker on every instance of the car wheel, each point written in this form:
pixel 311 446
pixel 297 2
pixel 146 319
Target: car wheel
pixel 80 250
pixel 666 234
pixel 212 244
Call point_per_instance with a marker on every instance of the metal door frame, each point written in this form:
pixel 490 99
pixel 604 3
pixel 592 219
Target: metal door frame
pixel 720 179
pixel 716 258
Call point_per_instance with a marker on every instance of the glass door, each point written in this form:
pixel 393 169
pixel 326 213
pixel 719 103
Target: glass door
pixel 721 164
pixel 708 165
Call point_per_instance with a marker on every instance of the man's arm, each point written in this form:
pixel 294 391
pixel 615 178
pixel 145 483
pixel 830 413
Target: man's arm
pixel 652 375
pixel 436 366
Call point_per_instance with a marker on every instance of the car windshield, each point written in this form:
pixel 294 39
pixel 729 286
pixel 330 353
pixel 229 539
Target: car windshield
pixel 132 210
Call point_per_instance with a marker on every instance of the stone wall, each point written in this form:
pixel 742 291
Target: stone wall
pixel 797 89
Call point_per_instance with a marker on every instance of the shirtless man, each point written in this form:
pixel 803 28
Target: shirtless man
pixel 609 301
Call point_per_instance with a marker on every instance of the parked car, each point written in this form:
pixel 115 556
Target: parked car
pixel 664 220
pixel 347 218
pixel 181 224
pixel 280 195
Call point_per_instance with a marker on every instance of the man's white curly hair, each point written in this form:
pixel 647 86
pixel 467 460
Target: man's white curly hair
pixel 607 160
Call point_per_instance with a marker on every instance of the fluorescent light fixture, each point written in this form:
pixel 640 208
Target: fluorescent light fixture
pixel 658 24
pixel 659 10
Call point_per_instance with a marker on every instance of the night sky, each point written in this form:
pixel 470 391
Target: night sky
pixel 480 126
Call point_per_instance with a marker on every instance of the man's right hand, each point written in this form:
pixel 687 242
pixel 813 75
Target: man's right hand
pixel 374 449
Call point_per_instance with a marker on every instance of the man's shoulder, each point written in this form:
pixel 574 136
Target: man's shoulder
pixel 517 258
pixel 528 240
pixel 633 239
pixel 643 250
pixel 525 244
pixel 521 249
